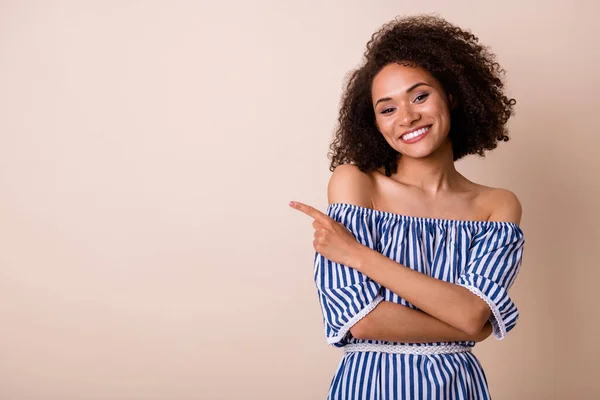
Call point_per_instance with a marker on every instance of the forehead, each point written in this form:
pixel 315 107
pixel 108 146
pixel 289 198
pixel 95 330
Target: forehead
pixel 397 78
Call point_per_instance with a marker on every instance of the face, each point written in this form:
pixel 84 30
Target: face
pixel 412 110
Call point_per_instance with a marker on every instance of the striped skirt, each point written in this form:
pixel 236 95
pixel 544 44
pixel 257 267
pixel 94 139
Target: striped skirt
pixel 404 372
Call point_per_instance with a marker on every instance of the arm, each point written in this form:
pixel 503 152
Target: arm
pixel 451 303
pixel 448 302
pixel 397 323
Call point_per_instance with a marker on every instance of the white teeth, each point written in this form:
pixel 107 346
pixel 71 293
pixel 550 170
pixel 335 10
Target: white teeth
pixel 416 133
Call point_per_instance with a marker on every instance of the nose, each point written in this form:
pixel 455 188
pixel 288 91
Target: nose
pixel 408 115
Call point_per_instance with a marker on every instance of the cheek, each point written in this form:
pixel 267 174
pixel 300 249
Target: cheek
pixel 444 115
pixel 385 125
pixel 433 108
pixel 441 109
pixel 438 112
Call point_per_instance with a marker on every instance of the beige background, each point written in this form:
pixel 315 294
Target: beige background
pixel 148 150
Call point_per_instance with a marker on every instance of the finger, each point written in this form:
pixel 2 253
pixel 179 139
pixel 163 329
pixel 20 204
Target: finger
pixel 318 225
pixel 310 211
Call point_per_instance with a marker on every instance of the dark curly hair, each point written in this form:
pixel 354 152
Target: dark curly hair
pixel 463 67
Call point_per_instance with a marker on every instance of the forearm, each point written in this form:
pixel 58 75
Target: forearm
pixel 447 302
pixel 397 323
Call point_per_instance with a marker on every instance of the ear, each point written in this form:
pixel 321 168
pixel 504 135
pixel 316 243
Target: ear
pixel 452 101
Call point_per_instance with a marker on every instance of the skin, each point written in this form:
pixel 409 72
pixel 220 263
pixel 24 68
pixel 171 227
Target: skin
pixel 426 185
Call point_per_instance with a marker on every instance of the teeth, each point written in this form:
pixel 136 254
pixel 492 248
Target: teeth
pixel 416 133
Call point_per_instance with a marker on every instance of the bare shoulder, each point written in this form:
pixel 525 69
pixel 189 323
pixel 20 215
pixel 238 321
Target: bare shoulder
pixel 348 184
pixel 504 205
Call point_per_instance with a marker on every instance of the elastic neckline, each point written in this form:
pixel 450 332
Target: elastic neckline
pixel 426 219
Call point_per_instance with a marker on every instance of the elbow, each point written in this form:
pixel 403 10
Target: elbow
pixel 359 330
pixel 472 328
pixel 475 321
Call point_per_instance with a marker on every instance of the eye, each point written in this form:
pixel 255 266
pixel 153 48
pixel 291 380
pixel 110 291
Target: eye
pixel 387 110
pixel 424 95
pixel 421 97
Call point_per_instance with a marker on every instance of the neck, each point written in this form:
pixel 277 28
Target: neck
pixel 432 174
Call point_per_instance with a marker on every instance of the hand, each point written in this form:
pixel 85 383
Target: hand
pixel 332 239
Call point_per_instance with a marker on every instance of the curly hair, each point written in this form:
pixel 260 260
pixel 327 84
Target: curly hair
pixel 466 69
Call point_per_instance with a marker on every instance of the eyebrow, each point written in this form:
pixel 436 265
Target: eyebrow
pixel 413 87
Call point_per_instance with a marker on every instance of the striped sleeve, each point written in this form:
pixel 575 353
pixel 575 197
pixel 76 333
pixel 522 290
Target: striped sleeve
pixel 494 262
pixel 346 295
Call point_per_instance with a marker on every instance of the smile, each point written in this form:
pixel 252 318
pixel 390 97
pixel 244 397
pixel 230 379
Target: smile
pixel 418 134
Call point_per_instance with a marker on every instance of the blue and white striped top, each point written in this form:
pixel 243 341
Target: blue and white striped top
pixel 483 256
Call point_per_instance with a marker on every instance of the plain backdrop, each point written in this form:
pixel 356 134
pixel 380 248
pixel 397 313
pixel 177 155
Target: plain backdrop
pixel 149 149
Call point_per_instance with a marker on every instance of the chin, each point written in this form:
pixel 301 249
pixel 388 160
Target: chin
pixel 416 156
pixel 418 153
pixel 423 151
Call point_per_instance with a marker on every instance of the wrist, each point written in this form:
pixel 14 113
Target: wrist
pixel 359 257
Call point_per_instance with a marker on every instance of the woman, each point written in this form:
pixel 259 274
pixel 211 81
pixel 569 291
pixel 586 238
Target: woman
pixel 414 261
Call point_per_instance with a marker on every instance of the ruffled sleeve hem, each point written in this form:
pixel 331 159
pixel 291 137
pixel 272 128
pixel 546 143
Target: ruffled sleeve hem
pixel 360 315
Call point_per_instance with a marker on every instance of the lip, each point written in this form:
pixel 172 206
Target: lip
pixel 414 140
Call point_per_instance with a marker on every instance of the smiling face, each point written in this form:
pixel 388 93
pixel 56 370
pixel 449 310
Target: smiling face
pixel 412 110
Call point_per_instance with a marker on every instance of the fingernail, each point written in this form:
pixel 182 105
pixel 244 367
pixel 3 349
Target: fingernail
pixel 292 204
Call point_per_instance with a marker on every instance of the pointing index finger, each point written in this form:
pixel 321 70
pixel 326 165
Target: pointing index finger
pixel 310 211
